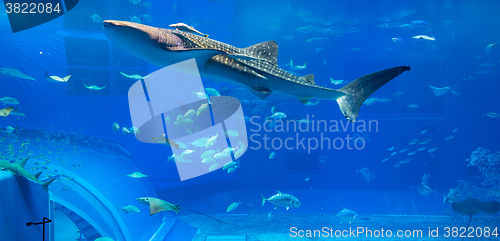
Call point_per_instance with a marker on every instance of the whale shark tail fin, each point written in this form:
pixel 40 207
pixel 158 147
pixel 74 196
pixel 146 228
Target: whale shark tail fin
pixel 47 183
pixel 361 88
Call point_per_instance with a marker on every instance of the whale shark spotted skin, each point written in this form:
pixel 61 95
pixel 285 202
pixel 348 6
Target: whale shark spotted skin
pixel 164 47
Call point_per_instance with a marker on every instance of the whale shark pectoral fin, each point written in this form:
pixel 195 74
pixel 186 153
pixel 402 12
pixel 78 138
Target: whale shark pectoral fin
pixel 23 162
pixel 304 100
pixel 361 88
pixel 200 55
pixel 262 93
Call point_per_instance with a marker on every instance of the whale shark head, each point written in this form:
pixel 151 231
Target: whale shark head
pixel 148 43
pixel 158 46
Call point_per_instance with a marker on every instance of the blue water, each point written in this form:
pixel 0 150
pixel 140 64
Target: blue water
pixel 75 45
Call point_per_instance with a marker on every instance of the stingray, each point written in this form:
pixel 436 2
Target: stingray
pixel 439 91
pixel 157 205
pixel 473 206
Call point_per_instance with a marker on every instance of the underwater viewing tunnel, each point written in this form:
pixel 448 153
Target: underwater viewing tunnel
pixel 152 120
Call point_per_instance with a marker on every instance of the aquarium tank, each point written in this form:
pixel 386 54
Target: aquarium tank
pixel 180 120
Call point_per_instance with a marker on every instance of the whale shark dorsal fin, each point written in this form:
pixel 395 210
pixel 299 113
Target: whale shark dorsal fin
pixel 265 50
pixel 309 78
pixel 23 162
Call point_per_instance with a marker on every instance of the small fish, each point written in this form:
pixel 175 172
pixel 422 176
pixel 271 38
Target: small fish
pixel 278 116
pixel 94 87
pixel 425 190
pixel 212 140
pixel 425 178
pixel 419 23
pixel 403 150
pixel 354 49
pixel 394 153
pixel 347 216
pixel 422 148
pixel 271 156
pixel 446 23
pixel 492 115
pixel 115 127
pixel 366 174
pixel 126 131
pixel 432 149
pixel 406 160
pixel 413 142
pixel 148 18
pixel 135 19
pixel 129 209
pixel 452 196
pixel 202 109
pixel 412 153
pixel 316 39
pixel 233 206
pixel 424 37
pixel 337 82
pixel 406 26
pixel 186 28
pixel 397 40
pixel 282 199
pixel 449 137
pixel 9 101
pixel 391 148
pixel 212 92
pixel 221 156
pixel 200 95
pixel 136 175
pixel 187 153
pixel 455 92
pixel 287 37
pixel 385 159
pixel 213 167
pixel 412 106
pixel 208 160
pixel 96 18
pixel 230 165
pixel 489 47
pixel 307 179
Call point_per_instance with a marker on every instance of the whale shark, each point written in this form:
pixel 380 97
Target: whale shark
pixel 18 169
pixel 164 47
